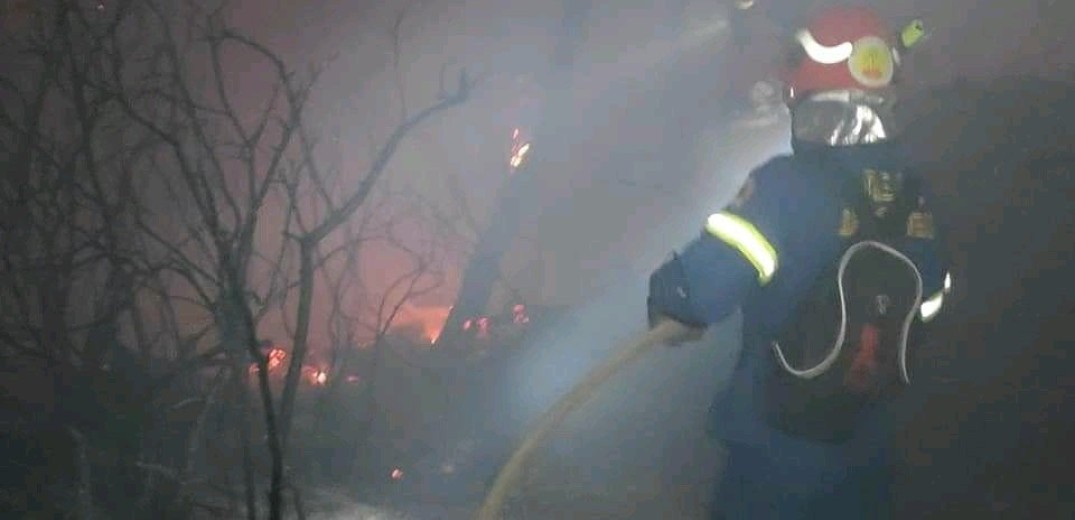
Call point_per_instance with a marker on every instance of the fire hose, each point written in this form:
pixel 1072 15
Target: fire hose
pixel 512 472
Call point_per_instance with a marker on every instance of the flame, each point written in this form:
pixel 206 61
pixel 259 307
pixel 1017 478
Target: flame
pixel 274 359
pixel 519 150
pixel 315 376
pixel 482 325
pixel 428 319
pixel 519 155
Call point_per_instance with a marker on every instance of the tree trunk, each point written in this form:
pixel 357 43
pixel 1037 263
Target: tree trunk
pixel 482 272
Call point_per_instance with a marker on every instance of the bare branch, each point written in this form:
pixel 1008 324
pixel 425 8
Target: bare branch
pixel 334 219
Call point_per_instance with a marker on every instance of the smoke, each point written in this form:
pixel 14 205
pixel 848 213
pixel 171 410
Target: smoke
pixel 613 308
pixel 560 354
pixel 599 69
pixel 328 504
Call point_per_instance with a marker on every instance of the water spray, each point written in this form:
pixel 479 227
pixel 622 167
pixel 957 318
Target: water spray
pixel 512 472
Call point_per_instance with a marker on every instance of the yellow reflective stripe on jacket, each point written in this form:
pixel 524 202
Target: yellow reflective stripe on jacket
pixel 742 235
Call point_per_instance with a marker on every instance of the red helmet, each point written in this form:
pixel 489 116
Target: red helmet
pixel 842 48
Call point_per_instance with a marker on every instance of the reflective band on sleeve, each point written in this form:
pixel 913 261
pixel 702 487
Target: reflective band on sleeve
pixel 931 307
pixel 746 238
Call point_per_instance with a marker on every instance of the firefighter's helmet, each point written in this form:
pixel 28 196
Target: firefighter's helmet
pixel 844 48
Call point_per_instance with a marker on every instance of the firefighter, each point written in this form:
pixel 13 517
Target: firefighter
pixel 833 257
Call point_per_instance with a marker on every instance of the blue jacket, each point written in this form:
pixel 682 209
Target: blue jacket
pixel 764 252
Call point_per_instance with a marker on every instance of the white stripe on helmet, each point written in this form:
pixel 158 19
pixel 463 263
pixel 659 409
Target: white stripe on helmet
pixel 821 53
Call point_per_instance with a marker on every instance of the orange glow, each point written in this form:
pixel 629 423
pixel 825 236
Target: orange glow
pixel 276 358
pixel 314 376
pixel 273 361
pixel 428 319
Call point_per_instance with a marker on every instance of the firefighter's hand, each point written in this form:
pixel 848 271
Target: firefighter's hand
pixel 669 301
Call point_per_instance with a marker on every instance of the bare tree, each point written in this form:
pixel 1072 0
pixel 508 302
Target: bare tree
pixel 71 263
pixel 174 214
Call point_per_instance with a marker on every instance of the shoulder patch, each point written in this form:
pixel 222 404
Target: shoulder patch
pixel 920 224
pixel 882 186
pixel 849 223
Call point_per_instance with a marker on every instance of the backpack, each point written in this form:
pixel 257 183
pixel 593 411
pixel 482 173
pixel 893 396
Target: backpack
pixel 846 348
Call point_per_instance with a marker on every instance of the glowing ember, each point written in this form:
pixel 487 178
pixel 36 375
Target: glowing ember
pixel 276 358
pixel 518 314
pixel 314 376
pixel 273 361
pixel 519 155
pixel 483 327
pixel 519 150
pixel 352 379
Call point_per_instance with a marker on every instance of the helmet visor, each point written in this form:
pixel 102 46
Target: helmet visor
pixel 845 118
